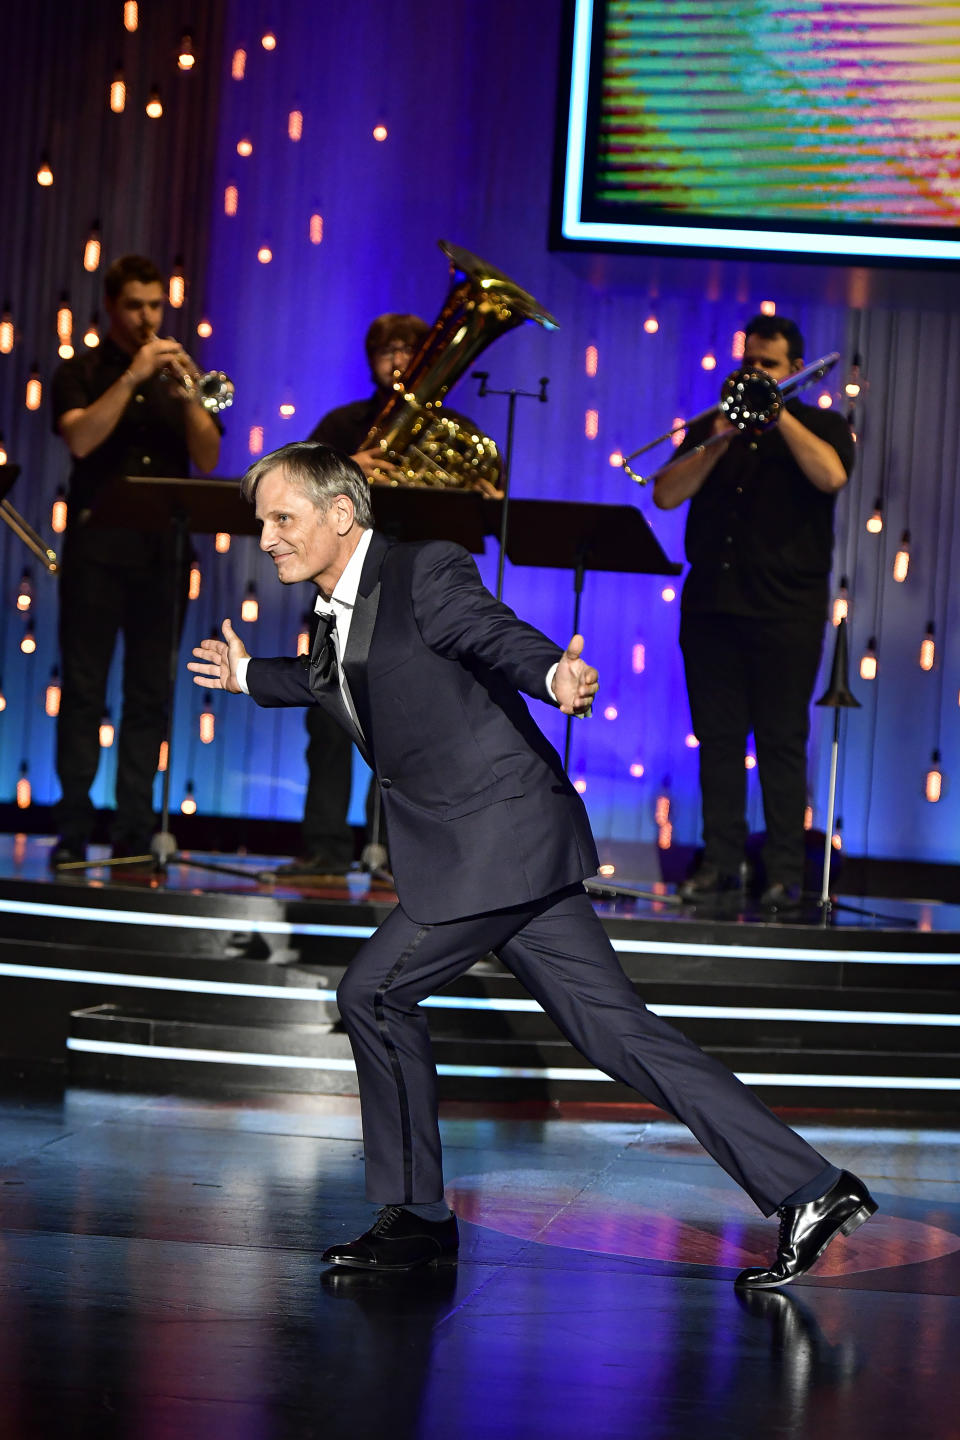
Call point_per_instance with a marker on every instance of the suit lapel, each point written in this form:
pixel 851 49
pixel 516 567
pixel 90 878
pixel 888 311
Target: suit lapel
pixel 361 632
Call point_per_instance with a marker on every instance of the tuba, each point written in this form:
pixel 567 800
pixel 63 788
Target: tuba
pixel 412 432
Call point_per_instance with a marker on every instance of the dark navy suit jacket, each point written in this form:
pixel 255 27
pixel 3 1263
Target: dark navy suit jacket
pixel 479 812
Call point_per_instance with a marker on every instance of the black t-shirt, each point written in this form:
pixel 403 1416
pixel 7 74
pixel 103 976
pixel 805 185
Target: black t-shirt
pixel 149 439
pixel 759 536
pixel 348 426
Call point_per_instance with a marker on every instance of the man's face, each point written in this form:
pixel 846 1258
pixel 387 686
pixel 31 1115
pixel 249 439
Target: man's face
pixel 303 543
pixel 135 314
pixel 770 356
pixel 390 360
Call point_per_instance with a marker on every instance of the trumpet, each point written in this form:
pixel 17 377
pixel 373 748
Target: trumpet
pixel 749 399
pixel 214 390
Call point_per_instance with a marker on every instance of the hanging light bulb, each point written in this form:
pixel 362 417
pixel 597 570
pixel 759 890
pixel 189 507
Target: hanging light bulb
pixel 264 254
pixel 316 229
pixel 51 699
pixel 177 285
pixel 875 523
pixel 901 561
pixel 28 643
pixel 3 450
pixel 841 606
pixel 836 839
pixel 207 726
pixel 238 64
pixel 163 759
pixel 708 361
pixel 678 431
pixel 380 132
pixel 196 579
pixel 651 325
pixel 636 770
pixel 303 636
pixel 808 818
pixel 25 593
pixel 64 320
pixel 295 124
pixel 118 92
pixel 204 329
pixel 34 391
pixel 580 785
pixel 255 439
pixel 668 593
pixel 591 360
pixel 768 307
pixel 928 649
pixel 868 660
pixel 661 816
pixel 91 336
pixel 188 805
pixel 44 173
pixel 65 352
pixel 852 388
pixel 7 334
pixel 269 40
pixel 154 106
pixel 250 608
pixel 24 793
pixel 638 659
pixel 58 513
pixel 933 783
pixel 824 400
pixel 3 699
pixel 221 542
pixel 230 200
pixel 750 762
pixel 611 712
pixel 244 146
pixel 615 459
pixel 591 424
pixel 107 732
pixel 186 58
pixel 738 344
pixel 131 15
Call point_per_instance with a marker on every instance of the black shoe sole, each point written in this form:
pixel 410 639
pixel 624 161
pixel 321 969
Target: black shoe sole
pixel 347 1264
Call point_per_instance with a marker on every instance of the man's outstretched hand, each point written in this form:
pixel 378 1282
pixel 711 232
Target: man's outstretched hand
pixel 575 682
pixel 215 667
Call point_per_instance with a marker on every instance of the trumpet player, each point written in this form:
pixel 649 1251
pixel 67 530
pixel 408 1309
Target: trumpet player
pixel 120 410
pixel 759 542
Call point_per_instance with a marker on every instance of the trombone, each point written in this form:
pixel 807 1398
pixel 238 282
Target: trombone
pixel 749 399
pixel 19 526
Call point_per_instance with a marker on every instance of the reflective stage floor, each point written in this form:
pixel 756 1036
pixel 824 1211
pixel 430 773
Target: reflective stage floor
pixel 161 1277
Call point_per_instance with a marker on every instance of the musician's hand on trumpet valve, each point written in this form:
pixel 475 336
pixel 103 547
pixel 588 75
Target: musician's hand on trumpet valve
pixel 156 354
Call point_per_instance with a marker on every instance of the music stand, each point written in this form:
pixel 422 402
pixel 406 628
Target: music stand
pixel 182 505
pixel 578 536
pixel 416 512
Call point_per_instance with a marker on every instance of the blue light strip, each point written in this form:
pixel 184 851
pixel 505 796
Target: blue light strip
pixel 363 932
pixel 494 1072
pixel 182 922
pixel 515 1006
pixel 700 237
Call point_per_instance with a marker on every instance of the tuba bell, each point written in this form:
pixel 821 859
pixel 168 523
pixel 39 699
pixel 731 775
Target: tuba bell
pixel 411 431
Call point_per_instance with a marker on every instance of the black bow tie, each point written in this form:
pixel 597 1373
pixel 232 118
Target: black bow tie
pixel 323 656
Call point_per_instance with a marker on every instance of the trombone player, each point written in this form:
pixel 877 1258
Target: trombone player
pixel 120 411
pixel 759 543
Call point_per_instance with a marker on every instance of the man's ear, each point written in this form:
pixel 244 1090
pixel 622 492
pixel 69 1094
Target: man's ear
pixel 344 506
pixel 796 365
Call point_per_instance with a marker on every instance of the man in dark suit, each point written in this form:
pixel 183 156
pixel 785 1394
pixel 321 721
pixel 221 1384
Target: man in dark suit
pixel 490 844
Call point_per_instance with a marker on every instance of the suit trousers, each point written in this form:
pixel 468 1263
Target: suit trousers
pixel 745 674
pixel 559 951
pixel 135 591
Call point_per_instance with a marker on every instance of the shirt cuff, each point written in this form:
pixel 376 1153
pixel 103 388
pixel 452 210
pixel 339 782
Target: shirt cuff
pixel 550 674
pixel 242 673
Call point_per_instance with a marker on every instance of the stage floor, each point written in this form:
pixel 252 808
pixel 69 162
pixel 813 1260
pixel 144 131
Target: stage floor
pixel 161 1277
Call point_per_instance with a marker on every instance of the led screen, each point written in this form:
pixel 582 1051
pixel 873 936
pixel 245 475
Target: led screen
pixel 810 129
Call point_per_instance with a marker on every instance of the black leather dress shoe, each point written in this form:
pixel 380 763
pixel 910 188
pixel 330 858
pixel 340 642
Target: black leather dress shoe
pixel 709 886
pixel 807 1230
pixel 778 898
pixel 398 1240
pixel 314 866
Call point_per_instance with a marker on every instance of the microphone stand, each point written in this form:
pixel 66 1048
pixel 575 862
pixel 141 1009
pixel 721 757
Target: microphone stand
pixel 512 397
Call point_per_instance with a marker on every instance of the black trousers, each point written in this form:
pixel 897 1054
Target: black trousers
pixel 748 675
pixel 560 952
pixel 111 583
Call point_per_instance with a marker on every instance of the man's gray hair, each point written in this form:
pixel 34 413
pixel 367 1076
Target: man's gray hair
pixel 321 472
